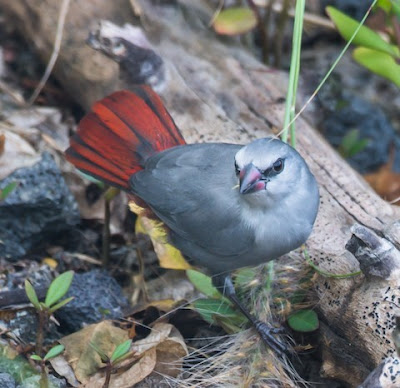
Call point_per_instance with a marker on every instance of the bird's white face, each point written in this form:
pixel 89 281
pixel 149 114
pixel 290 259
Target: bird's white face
pixel 269 171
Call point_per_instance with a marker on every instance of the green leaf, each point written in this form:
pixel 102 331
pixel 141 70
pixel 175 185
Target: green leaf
pixel 121 350
pixel 365 36
pixel 386 5
pixel 111 193
pixel 235 21
pixel 351 143
pixel 58 288
pixel 210 308
pixel 91 179
pixel 4 193
pixel 396 9
pixel 36 357
pixel 54 352
pixel 31 294
pixel 379 63
pixel 304 321
pixel 61 304
pixel 203 283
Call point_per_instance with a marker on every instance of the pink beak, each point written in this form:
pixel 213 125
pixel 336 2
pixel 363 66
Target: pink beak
pixel 251 179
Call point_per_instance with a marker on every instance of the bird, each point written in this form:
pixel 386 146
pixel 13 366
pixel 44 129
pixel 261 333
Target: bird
pixel 224 206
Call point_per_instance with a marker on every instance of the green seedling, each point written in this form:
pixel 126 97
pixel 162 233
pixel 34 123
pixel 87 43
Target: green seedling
pixel 6 191
pixel 58 288
pixel 53 352
pixel 120 354
pixel 378 52
pixel 304 321
pixel 352 144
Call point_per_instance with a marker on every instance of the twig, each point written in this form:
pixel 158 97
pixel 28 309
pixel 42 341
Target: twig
pixel 308 17
pixel 56 50
pixel 16 96
pixel 261 30
pixel 267 23
pixel 216 13
pixel 106 233
pixel 279 32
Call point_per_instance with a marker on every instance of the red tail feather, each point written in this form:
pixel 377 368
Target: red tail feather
pixel 114 140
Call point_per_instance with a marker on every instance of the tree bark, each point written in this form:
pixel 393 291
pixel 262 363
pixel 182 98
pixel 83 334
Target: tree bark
pixel 217 91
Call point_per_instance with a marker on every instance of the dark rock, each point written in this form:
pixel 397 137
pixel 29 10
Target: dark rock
pixel 24 326
pixel 97 296
pixel 354 8
pixel 39 209
pixel 6 381
pixel 343 111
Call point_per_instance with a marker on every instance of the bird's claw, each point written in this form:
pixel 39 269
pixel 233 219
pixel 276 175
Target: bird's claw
pixel 268 333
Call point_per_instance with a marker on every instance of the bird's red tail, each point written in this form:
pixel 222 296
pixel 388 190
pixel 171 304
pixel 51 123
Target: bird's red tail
pixel 120 133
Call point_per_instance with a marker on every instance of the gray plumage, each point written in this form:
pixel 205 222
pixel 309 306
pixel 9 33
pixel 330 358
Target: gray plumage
pixel 194 190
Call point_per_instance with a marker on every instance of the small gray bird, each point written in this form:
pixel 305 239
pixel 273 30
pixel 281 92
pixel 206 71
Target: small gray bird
pixel 224 206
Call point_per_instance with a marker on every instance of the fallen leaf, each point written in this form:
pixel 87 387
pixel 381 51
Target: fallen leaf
pixel 386 182
pixel 62 367
pixel 17 153
pixel 167 254
pixel 84 360
pixel 162 351
pixel 170 354
pixel 235 21
pixel 141 369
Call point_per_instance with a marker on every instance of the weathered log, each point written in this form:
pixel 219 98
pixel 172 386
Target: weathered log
pixel 220 92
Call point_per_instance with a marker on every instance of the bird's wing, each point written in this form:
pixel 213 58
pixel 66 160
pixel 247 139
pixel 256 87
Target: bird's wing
pixel 192 190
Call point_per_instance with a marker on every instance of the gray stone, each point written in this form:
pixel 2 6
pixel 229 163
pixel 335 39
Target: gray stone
pixel 97 296
pixel 6 381
pixel 39 209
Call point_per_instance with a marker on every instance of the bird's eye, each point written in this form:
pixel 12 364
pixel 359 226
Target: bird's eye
pixel 237 169
pixel 278 166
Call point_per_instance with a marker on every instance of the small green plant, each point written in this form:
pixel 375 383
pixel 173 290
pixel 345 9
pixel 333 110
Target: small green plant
pixel 303 321
pixel 120 354
pixel 53 352
pixel 352 144
pixel 58 288
pixel 215 309
pixel 6 191
pixel 378 52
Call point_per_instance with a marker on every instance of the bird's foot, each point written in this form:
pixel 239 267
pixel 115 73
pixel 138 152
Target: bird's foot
pixel 269 336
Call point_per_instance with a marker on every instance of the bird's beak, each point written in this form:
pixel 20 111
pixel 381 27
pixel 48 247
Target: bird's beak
pixel 250 179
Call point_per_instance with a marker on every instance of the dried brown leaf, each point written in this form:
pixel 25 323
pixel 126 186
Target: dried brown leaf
pixel 126 379
pixel 170 354
pixel 84 360
pixel 62 367
pixel 385 181
pixel 17 153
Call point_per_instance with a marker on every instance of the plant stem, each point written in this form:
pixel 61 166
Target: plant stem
pixel 294 74
pixel 44 381
pixel 279 32
pixel 106 233
pixel 42 327
pixel 108 374
pixel 261 30
pixel 267 23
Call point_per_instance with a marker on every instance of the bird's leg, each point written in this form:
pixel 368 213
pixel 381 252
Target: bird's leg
pixel 267 333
